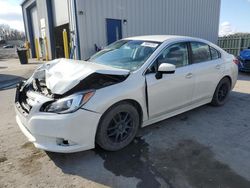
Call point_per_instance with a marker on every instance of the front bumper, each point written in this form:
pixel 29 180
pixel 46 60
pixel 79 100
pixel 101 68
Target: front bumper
pixel 64 133
pixel 48 131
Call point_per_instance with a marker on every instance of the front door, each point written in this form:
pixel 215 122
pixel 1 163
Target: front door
pixel 172 91
pixel 114 30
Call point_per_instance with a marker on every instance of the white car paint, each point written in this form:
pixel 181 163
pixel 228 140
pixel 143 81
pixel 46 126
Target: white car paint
pixel 189 87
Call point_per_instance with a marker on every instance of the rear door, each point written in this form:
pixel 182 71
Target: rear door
pixel 208 67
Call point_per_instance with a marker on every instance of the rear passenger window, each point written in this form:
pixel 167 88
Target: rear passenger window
pixel 214 53
pixel 200 52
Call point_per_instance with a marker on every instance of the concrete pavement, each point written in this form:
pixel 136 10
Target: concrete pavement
pixel 12 72
pixel 205 147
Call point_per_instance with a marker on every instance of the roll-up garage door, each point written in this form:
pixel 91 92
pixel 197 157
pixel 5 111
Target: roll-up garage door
pixel 35 25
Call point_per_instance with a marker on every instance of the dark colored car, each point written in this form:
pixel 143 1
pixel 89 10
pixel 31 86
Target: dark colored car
pixel 244 60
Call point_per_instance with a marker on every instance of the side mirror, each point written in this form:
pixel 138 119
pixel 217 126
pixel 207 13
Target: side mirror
pixel 165 68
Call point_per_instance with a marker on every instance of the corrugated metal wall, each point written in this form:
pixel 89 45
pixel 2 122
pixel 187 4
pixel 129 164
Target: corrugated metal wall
pixel 198 18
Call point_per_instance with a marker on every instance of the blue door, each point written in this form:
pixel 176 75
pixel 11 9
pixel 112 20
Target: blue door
pixel 114 30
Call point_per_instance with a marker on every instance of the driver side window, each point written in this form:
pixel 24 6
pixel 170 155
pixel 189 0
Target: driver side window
pixel 176 54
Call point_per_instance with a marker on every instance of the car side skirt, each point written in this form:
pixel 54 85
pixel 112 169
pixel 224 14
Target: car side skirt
pixel 177 111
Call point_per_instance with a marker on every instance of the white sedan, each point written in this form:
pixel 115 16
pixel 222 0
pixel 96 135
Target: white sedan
pixel 69 105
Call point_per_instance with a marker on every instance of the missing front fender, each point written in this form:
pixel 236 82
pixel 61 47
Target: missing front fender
pixel 96 81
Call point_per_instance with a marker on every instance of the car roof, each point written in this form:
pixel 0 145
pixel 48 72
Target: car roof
pixel 160 38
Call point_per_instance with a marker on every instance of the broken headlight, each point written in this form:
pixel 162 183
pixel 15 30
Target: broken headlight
pixel 69 104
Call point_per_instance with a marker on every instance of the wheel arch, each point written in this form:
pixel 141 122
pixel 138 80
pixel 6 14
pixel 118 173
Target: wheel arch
pixel 133 102
pixel 137 106
pixel 229 78
pixel 218 102
pixel 226 76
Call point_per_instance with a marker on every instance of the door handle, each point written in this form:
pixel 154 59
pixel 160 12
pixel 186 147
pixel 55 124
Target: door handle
pixel 217 66
pixel 189 75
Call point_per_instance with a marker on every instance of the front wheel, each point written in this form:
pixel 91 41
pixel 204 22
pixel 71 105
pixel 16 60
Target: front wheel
pixel 221 93
pixel 118 127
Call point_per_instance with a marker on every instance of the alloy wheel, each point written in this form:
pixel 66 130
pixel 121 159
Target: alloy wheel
pixel 120 127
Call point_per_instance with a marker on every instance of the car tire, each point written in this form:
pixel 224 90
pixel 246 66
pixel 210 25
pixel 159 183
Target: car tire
pixel 221 93
pixel 118 127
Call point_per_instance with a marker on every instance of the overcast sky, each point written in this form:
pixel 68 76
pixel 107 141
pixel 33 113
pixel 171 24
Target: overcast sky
pixel 11 14
pixel 234 17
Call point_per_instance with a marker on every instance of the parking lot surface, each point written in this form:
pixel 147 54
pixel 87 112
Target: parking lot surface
pixel 205 147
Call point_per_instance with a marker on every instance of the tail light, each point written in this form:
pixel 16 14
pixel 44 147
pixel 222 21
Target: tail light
pixel 236 61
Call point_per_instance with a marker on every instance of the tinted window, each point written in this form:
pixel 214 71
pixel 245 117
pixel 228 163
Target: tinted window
pixel 200 52
pixel 176 54
pixel 214 53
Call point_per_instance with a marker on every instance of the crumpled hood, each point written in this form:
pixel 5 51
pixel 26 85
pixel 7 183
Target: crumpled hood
pixel 61 75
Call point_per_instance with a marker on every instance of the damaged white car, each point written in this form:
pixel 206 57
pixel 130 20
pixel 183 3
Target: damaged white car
pixel 70 105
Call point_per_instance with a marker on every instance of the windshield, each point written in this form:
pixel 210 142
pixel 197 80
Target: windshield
pixel 125 54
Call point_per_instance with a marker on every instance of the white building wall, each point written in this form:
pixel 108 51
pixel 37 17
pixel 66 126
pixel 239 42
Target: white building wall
pixel 198 18
pixel 35 22
pixel 60 12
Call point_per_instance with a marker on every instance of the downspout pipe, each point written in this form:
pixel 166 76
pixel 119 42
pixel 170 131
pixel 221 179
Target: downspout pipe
pixel 77 41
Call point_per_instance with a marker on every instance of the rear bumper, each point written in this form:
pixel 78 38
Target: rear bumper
pixel 49 131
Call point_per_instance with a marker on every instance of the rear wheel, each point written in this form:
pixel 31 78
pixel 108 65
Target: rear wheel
pixel 221 93
pixel 118 127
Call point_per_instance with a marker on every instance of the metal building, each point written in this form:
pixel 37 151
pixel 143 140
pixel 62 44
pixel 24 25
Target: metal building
pixel 96 23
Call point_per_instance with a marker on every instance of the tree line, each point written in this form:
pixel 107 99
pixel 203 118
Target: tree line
pixel 7 33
